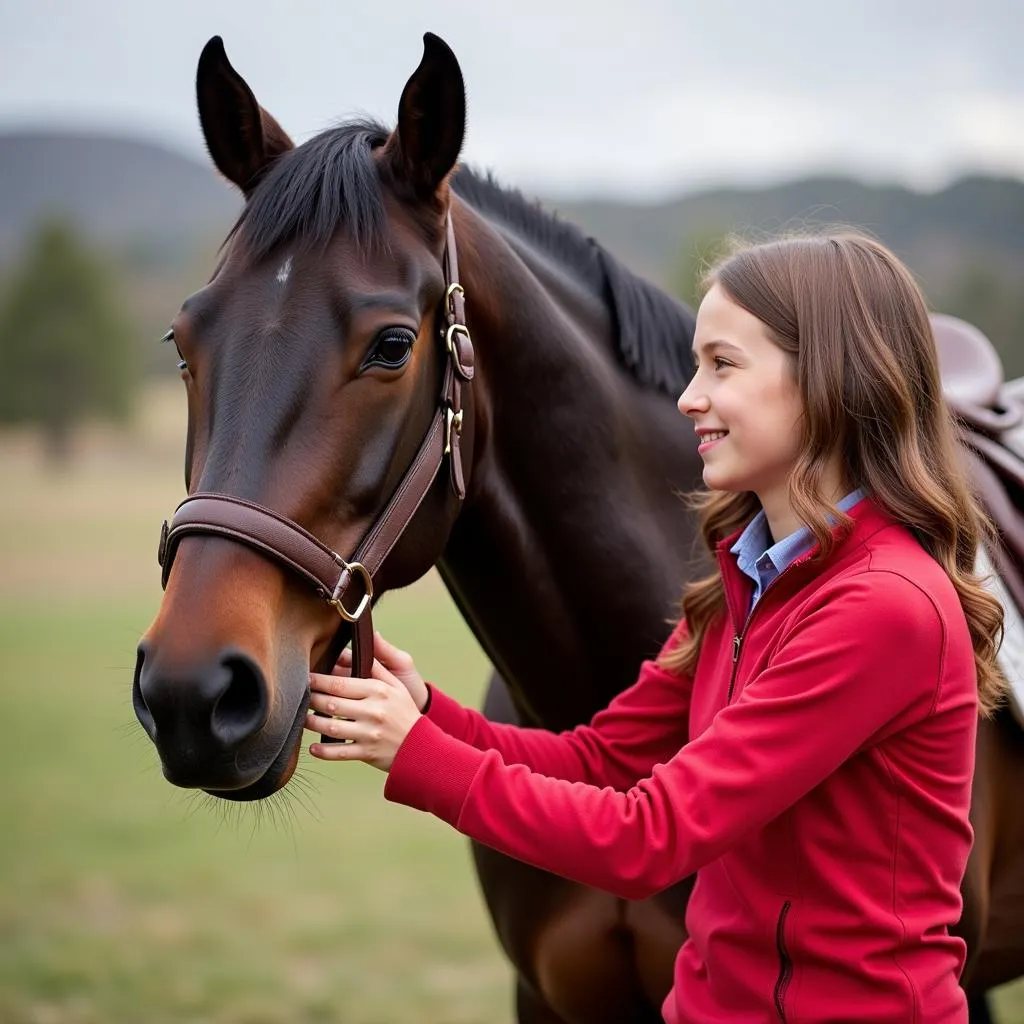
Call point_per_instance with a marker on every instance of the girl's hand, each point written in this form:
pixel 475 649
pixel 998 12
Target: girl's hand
pixel 398 663
pixel 373 715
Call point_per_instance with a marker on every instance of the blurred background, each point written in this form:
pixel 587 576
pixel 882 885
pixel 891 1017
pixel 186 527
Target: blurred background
pixel 659 128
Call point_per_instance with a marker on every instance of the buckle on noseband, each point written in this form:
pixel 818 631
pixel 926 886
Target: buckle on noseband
pixel 357 569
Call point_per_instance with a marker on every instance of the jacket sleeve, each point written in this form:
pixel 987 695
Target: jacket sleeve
pixel 827 692
pixel 643 726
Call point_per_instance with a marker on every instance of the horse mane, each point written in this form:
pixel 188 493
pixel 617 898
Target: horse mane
pixel 331 180
pixel 652 331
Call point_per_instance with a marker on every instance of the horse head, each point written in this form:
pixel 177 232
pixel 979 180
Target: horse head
pixel 312 371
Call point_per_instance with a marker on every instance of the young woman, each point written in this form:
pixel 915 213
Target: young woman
pixel 829 673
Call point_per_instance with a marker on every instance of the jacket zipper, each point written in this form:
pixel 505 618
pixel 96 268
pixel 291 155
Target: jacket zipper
pixel 785 963
pixel 737 640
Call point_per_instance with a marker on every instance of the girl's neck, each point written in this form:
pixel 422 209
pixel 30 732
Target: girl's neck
pixel 782 519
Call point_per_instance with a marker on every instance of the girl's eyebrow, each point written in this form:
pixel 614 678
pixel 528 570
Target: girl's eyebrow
pixel 716 343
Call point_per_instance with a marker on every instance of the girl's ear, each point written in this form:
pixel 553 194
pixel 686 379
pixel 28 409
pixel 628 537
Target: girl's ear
pixel 243 139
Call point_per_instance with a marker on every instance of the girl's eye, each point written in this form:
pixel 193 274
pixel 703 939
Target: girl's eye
pixel 391 349
pixel 719 362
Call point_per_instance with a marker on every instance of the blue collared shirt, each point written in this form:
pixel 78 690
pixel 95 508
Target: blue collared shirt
pixel 762 561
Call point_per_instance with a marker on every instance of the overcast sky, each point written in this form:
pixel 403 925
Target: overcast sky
pixel 640 98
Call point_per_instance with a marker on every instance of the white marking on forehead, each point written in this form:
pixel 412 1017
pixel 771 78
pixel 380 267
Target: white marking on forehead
pixel 284 270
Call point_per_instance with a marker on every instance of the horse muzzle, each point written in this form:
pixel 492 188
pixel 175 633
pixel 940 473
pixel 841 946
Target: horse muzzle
pixel 214 724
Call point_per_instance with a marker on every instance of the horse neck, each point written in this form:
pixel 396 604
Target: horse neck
pixel 567 558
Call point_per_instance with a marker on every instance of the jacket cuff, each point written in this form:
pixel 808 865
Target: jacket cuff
pixel 433 771
pixel 445 712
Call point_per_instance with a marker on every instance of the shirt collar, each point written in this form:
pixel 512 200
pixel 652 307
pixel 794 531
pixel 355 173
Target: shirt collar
pixel 755 541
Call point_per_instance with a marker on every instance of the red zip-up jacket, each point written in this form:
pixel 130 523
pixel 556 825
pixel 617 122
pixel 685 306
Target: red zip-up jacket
pixel 815 773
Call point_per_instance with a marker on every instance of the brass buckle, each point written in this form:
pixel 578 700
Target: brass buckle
pixel 449 337
pixel 357 569
pixel 452 420
pixel 449 296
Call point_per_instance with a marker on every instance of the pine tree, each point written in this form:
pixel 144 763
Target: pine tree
pixel 64 345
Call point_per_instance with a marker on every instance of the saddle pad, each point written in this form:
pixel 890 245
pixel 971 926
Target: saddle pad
pixel 1011 652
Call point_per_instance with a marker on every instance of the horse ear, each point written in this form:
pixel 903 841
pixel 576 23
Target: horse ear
pixel 243 139
pixel 431 120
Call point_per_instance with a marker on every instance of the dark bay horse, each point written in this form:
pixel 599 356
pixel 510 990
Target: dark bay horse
pixel 312 369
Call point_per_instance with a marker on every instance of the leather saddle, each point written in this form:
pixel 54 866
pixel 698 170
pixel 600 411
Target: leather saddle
pixel 990 412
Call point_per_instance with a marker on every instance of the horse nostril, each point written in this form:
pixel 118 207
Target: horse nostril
pixel 142 712
pixel 241 709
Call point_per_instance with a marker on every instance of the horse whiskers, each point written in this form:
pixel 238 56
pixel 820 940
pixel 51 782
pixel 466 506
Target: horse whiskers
pixel 301 790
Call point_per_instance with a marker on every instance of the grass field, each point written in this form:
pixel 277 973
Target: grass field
pixel 123 899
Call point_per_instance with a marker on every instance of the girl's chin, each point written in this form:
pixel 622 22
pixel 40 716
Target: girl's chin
pixel 716 480
pixel 731 485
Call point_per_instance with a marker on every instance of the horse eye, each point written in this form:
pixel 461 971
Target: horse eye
pixel 391 349
pixel 169 336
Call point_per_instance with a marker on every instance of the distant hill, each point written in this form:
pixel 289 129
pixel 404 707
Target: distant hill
pixel 116 190
pixel 122 190
pixel 161 213
pixel 974 218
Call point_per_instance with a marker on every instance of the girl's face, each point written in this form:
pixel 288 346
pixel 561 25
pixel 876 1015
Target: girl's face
pixel 744 402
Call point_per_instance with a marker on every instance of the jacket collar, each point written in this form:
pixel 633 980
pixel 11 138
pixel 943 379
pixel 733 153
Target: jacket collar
pixel 868 518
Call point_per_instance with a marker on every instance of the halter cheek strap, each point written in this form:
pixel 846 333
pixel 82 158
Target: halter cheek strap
pixel 347 584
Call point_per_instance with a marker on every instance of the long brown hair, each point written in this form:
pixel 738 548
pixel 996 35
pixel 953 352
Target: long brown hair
pixel 853 319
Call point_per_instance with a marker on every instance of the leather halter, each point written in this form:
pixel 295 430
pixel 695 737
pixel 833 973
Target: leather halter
pixel 331 575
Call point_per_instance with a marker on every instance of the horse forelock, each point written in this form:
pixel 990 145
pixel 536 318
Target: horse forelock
pixel 310 191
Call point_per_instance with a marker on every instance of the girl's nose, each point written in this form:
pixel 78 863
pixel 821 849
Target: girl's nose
pixel 691 401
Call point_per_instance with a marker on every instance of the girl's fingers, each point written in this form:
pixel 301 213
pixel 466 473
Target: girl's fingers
pixel 343 667
pixel 389 654
pixel 335 728
pixel 384 674
pixel 377 671
pixel 343 707
pixel 341 686
pixel 338 751
pixel 385 647
pixel 387 661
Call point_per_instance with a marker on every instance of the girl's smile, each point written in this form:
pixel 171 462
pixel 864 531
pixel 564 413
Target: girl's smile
pixel 707 441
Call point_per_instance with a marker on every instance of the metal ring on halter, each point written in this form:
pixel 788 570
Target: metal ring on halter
pixel 449 292
pixel 450 335
pixel 358 569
